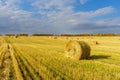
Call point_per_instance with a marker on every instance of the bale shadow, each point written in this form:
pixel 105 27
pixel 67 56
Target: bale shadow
pixel 99 57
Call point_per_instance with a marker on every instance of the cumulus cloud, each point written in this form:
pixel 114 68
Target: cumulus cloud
pixel 52 4
pixel 15 20
pixel 51 16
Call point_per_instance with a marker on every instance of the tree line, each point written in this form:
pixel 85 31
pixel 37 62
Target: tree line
pixel 85 34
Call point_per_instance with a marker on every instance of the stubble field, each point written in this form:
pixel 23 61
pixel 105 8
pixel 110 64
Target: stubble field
pixel 43 58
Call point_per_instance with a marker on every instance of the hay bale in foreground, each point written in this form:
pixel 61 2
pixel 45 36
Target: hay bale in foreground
pixel 77 50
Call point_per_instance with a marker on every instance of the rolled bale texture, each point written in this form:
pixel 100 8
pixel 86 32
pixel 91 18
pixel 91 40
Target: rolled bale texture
pixel 77 50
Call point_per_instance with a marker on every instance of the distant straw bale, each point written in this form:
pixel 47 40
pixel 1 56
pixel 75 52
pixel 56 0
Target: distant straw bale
pixel 67 38
pixel 96 42
pixel 55 37
pixel 77 50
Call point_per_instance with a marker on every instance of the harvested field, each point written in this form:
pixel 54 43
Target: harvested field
pixel 43 58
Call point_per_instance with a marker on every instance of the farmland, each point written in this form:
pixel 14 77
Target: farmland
pixel 43 58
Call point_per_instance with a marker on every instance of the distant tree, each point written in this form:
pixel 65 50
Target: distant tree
pixel 66 34
pixel 98 34
pixel 42 35
pixel 109 34
pixel 1 35
pixel 22 34
pixel 76 34
pixel 9 34
pixel 85 34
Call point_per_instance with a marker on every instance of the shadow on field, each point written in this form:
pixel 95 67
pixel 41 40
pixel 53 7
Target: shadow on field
pixel 99 57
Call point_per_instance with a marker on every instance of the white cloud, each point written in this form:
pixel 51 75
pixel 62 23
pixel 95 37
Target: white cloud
pixel 13 19
pixel 109 21
pixel 68 17
pixel 53 16
pixel 83 1
pixel 92 14
pixel 49 4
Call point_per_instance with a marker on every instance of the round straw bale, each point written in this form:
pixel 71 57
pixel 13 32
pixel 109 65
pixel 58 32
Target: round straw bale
pixel 67 38
pixel 77 50
pixel 96 42
pixel 55 37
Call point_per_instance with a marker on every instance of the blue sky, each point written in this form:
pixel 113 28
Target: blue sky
pixel 59 16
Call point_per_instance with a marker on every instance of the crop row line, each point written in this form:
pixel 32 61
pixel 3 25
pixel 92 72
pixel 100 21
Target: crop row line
pixel 41 69
pixel 50 66
pixel 2 54
pixel 15 64
pixel 30 69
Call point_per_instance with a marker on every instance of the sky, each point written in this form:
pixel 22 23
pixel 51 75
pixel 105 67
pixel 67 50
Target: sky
pixel 59 16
